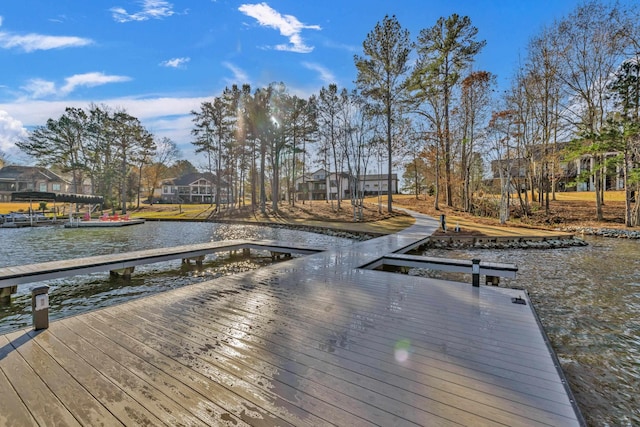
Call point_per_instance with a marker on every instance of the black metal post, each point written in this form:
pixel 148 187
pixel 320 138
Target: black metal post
pixel 475 272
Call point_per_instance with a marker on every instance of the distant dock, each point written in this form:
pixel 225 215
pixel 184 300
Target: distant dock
pixel 103 224
pixel 316 340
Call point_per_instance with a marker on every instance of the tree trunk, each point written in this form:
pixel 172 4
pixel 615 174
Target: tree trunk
pixel 263 194
pixel 436 204
pixel 598 189
pixel 389 163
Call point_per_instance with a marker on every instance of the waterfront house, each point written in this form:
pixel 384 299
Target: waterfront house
pixel 198 187
pixel 324 185
pixel 30 178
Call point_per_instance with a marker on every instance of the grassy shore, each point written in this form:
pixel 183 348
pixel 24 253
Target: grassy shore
pixel 569 209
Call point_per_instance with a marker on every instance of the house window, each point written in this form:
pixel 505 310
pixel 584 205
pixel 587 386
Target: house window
pixel 43 186
pixel 56 187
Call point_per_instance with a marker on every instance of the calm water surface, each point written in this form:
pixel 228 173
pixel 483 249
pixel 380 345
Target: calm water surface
pixel 588 299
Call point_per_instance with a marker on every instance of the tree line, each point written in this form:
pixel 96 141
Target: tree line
pixel 574 97
pixel 107 150
pixel 418 105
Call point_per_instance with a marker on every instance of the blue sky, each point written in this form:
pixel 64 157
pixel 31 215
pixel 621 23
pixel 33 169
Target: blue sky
pixel 160 59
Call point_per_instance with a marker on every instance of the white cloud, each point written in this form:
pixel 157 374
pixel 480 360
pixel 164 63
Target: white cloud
pixel 39 88
pixel 288 25
pixel 175 62
pixel 240 77
pixel 31 42
pixel 151 9
pixel 90 80
pixel 325 75
pixel 10 131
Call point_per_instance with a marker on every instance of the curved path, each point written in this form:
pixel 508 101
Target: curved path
pixel 311 341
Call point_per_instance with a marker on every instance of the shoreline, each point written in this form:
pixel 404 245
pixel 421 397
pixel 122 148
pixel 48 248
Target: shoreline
pixel 539 238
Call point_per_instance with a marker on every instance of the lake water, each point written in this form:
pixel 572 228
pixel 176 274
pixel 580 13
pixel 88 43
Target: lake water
pixel 588 298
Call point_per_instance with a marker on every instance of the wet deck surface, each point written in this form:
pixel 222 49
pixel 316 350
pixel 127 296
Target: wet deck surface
pixel 313 341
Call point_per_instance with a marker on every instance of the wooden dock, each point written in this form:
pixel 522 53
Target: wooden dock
pixel 12 276
pixel 313 341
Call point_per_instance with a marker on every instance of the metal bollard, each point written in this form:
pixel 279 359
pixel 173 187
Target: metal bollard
pixel 40 307
pixel 475 272
pixel 443 222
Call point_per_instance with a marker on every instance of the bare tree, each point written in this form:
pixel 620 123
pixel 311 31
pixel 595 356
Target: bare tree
pixel 590 43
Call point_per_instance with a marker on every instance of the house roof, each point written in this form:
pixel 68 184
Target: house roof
pixel 28 173
pixel 190 178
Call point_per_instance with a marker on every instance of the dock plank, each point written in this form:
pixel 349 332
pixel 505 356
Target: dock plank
pixel 516 402
pixel 120 404
pixel 43 404
pixel 13 411
pixel 382 389
pixel 232 402
pixel 84 407
pixel 295 404
pixel 258 365
pixel 144 392
pixel 369 318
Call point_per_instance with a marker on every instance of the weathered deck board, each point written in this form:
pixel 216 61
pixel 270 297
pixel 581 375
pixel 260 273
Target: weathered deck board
pixel 332 397
pixel 186 312
pixel 314 341
pixel 115 400
pixel 243 321
pixel 232 402
pixel 339 377
pixel 84 407
pixel 13 411
pixel 43 404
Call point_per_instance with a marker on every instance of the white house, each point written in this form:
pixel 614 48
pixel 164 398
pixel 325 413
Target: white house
pixel 323 185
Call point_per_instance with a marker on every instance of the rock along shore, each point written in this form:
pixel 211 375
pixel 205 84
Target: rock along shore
pixel 502 242
pixel 605 232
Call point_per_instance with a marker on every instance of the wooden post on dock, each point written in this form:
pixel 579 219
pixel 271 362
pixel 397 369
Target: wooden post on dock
pixel 124 272
pixel 6 292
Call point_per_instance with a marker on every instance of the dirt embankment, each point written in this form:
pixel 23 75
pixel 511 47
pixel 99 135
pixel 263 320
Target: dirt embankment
pixel 562 213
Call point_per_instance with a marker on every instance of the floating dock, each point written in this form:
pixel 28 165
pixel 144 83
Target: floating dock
pixel 316 340
pixel 103 224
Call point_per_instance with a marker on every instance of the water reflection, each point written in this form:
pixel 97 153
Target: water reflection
pixel 588 299
pixel 79 294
